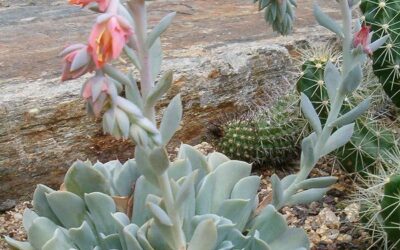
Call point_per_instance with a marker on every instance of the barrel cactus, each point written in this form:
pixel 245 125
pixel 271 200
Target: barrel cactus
pixel 311 81
pixel 379 199
pixel 383 18
pixel 268 137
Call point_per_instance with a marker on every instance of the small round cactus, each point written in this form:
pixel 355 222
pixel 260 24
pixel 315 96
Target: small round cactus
pixel 266 137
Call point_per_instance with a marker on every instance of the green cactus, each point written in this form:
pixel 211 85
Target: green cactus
pixel 379 199
pixel 391 210
pixel 217 198
pixel 311 81
pixel 268 137
pixel 383 16
pixel 367 146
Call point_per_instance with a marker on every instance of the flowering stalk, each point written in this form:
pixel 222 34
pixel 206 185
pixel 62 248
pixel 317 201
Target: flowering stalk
pixel 339 85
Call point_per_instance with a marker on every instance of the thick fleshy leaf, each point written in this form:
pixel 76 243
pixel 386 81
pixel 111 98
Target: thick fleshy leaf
pixel 308 196
pixel 71 215
pixel 59 241
pixel 332 79
pixel 185 189
pixel 41 231
pixel 28 217
pixel 203 200
pixel 326 21
pixel 277 190
pixel 171 119
pixel 40 204
pixel 319 182
pixel 125 178
pixel 215 159
pixel 162 86
pixel 353 114
pixel 82 178
pixel 160 28
pixel 352 80
pixel 130 237
pixel 83 236
pixel 204 237
pixel 293 238
pixel 101 206
pixel 227 175
pixel 159 161
pixel 18 244
pixel 143 188
pixel 160 214
pixel 275 227
pixel 310 113
pixel 338 139
pixel 307 154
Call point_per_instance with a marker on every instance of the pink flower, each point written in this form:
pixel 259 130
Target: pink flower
pixel 103 4
pixel 96 91
pixel 109 35
pixel 77 62
pixel 363 38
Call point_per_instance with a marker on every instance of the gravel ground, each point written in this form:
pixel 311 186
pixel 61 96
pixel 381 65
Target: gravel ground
pixel 332 223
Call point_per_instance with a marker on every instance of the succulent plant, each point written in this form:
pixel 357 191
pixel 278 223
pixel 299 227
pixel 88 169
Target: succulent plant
pixel 383 18
pixel 268 137
pixel 215 197
pixel 280 14
pixel 379 199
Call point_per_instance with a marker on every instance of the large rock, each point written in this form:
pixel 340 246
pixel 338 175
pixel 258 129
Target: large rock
pixel 43 124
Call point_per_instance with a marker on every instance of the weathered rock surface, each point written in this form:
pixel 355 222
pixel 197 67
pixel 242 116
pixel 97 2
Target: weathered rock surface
pixel 217 49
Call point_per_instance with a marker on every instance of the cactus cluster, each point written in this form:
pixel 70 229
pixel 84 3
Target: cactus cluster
pixel 379 199
pixel 268 137
pixel 383 18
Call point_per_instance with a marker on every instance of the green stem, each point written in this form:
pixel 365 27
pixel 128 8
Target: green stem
pixel 335 107
pixel 178 234
pixel 138 8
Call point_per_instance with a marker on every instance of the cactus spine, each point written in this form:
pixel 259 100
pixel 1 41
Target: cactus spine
pixel 384 18
pixel 267 137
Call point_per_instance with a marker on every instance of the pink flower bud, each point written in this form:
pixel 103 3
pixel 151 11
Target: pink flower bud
pixel 96 92
pixel 363 38
pixel 109 36
pixel 77 62
pixel 103 4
